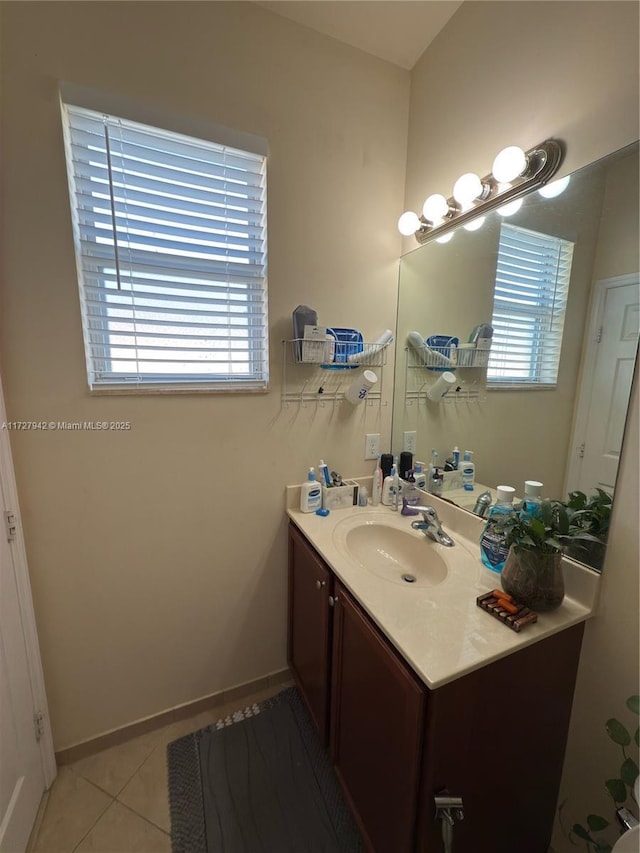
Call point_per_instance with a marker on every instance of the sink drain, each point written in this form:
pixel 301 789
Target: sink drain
pixel 409 578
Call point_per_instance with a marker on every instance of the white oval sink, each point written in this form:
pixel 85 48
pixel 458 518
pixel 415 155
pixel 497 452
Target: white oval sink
pixel 392 552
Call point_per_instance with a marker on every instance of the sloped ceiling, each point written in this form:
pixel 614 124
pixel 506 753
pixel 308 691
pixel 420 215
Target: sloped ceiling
pixel 398 31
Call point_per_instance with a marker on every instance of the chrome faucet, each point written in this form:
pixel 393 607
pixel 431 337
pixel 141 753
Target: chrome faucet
pixel 431 526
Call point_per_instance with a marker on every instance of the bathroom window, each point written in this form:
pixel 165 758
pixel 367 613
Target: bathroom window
pixel 170 235
pixel 529 305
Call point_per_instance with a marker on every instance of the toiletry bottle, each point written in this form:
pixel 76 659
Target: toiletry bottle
pixel 410 495
pixel 493 551
pixel 420 476
pixel 310 493
pixel 324 473
pixel 406 464
pixel 386 461
pixel 468 471
pixel 391 483
pixel 432 465
pixel 456 458
pixel 396 486
pixel 376 486
pixel 532 498
pixel 435 481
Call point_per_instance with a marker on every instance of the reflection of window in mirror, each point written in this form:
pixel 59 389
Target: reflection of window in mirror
pixel 529 305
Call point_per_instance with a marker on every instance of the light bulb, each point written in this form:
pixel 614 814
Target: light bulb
pixel 509 164
pixel 435 208
pixel 408 223
pixel 555 188
pixel 445 237
pixel 511 208
pixel 475 224
pixel 467 188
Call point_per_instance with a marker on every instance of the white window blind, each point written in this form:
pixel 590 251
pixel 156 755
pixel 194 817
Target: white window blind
pixel 529 305
pixel 170 236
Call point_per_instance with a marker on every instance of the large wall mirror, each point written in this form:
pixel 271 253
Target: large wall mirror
pixel 565 433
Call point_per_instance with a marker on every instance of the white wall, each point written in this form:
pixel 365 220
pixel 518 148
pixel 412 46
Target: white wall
pixel 516 73
pixel 158 556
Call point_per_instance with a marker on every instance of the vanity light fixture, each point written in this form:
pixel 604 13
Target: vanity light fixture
pixel 515 173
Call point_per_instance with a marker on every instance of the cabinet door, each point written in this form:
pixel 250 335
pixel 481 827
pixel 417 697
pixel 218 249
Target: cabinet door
pixel 309 636
pixel 377 711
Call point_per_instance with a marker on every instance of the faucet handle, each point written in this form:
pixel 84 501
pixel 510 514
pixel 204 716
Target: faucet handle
pixel 428 512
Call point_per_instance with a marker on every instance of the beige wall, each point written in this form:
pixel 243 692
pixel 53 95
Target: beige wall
pixel 158 556
pixel 506 73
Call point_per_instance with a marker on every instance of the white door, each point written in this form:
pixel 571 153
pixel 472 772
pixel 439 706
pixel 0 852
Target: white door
pixel 609 373
pixel 27 764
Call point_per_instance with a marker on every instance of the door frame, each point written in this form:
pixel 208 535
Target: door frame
pixel 27 614
pixel 583 404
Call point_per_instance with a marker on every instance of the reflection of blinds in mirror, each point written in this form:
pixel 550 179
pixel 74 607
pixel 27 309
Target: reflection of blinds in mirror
pixel 529 305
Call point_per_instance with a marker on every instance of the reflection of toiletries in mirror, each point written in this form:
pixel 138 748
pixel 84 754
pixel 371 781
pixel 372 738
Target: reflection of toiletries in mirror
pixel 438 390
pixel 468 471
pixel 532 498
pixel 456 458
pixel 420 476
pixel 406 463
pixel 425 354
pixel 435 481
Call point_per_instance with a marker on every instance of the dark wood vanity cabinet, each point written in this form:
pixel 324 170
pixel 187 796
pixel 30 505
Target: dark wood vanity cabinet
pixel 309 632
pixel 495 737
pixel 377 713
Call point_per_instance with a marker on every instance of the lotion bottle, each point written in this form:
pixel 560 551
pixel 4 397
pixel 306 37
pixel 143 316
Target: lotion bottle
pixel 389 487
pixel 420 476
pixel 468 472
pixel 310 493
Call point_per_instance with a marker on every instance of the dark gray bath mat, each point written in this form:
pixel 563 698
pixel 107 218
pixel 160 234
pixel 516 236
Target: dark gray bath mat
pixel 260 782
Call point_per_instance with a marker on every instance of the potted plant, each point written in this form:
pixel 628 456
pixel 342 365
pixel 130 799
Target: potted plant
pixel 592 515
pixel 532 573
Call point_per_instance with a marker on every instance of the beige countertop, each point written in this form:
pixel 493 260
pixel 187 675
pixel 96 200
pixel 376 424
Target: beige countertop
pixel 439 630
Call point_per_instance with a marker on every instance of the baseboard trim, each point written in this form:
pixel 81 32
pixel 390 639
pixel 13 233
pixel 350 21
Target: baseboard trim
pixel 114 737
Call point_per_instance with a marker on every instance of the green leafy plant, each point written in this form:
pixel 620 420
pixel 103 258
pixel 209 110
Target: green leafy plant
pixel 549 530
pixel 619 787
pixel 592 515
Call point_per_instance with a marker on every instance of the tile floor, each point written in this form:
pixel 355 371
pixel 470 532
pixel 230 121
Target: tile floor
pixel 116 800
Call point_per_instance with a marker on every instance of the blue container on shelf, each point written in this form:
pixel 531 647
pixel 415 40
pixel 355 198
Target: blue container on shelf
pixel 348 342
pixel 442 345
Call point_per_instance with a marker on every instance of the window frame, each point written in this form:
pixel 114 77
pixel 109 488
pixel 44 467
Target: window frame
pixel 256 348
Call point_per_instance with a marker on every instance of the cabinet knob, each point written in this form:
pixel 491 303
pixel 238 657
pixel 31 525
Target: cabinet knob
pixel 320 584
pixel 333 600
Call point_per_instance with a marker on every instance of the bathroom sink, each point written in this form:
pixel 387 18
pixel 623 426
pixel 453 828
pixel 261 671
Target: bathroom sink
pixel 391 550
